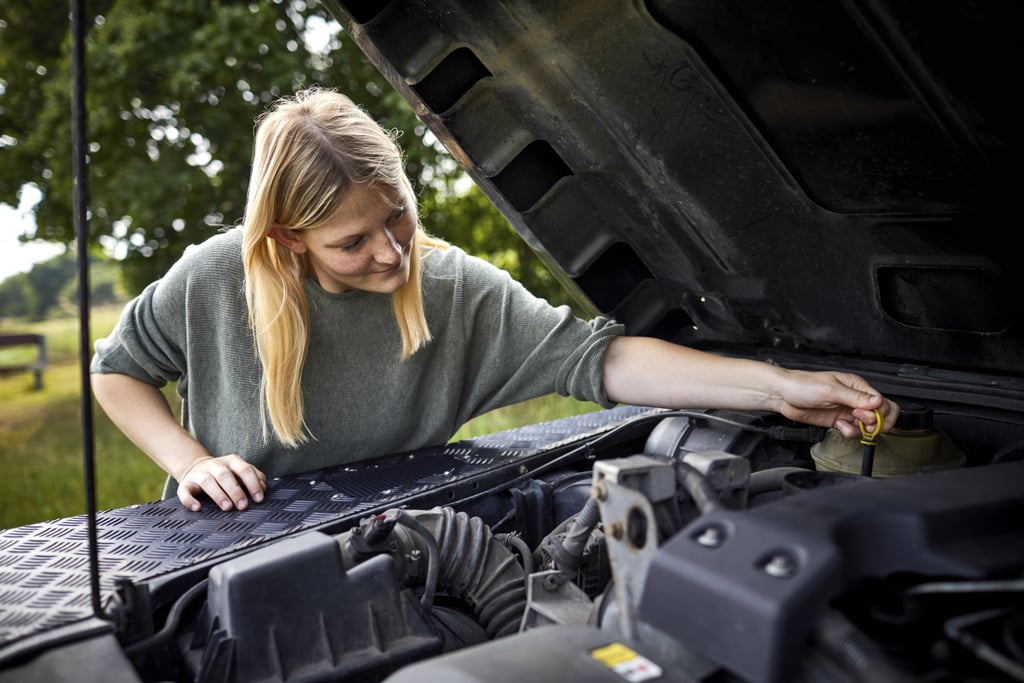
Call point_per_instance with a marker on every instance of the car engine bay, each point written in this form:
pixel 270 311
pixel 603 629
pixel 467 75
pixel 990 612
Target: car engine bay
pixel 685 551
pixel 676 545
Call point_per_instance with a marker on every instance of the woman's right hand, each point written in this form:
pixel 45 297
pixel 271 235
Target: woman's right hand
pixel 141 411
pixel 229 481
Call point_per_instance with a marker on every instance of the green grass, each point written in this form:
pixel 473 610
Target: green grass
pixel 41 458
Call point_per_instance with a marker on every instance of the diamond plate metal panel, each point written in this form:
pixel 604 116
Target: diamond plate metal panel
pixel 44 568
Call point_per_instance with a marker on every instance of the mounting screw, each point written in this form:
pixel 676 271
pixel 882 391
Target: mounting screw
pixel 780 566
pixel 616 530
pixel 711 537
pixel 552 582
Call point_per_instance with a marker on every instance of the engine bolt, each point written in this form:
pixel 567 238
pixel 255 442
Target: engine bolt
pixel 710 537
pixel 617 531
pixel 553 581
pixel 780 566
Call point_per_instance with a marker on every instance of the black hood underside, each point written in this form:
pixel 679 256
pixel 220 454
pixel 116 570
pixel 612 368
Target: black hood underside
pixel 825 178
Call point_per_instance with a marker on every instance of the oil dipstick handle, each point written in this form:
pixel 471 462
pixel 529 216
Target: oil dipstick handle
pixel 867 461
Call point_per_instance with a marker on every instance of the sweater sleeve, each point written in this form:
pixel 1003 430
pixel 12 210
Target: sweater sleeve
pixel 521 346
pixel 150 341
pixel 144 343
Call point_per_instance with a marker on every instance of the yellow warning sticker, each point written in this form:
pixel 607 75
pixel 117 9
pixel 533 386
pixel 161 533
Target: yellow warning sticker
pixel 629 665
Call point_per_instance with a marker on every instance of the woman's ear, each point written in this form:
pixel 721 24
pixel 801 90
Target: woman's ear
pixel 288 239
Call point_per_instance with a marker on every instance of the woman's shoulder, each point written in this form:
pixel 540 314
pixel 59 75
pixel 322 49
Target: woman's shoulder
pixel 211 265
pixel 217 256
pixel 452 262
pixel 225 245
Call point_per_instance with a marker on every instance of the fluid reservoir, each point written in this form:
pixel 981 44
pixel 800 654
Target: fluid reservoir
pixel 914 445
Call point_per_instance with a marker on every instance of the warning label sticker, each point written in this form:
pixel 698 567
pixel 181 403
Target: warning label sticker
pixel 626 663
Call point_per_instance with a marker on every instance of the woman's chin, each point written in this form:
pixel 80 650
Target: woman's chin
pixel 395 280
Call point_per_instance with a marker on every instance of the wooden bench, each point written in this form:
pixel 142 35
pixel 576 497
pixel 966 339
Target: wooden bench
pixel 36 367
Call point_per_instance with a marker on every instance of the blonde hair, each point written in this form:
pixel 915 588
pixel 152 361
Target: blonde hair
pixel 310 149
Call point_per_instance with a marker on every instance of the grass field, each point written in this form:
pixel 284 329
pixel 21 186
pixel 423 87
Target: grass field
pixel 41 443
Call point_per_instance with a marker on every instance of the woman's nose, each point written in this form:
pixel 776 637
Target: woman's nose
pixel 389 250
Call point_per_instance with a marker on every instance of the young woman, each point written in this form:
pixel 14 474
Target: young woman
pixel 330 327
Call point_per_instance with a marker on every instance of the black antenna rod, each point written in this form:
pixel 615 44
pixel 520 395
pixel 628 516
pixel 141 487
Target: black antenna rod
pixel 81 200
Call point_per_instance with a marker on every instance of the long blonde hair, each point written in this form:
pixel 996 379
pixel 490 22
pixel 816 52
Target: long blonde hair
pixel 309 151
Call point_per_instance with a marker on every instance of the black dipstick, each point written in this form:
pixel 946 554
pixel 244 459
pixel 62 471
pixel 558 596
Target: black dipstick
pixel 867 461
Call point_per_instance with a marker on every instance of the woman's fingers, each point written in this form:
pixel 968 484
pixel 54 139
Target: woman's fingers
pixel 229 481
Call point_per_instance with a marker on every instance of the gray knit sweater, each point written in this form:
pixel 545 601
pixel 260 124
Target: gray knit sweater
pixel 494 344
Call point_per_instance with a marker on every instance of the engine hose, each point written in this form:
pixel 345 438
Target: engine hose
pixel 507 604
pixel 525 554
pixel 430 586
pixel 170 624
pixel 476 567
pixel 582 525
pixel 569 555
pixel 702 493
pixel 854 652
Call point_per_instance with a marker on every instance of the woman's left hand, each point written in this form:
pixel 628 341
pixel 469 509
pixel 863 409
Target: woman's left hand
pixel 834 399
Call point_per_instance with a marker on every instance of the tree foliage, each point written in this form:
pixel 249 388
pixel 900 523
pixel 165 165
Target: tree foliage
pixel 172 91
pixel 31 295
pixel 50 288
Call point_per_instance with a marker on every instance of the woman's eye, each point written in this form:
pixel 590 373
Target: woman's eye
pixel 352 246
pixel 396 215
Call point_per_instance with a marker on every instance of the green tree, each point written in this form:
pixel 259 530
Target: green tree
pixel 48 279
pixel 17 299
pixel 469 218
pixel 34 294
pixel 173 88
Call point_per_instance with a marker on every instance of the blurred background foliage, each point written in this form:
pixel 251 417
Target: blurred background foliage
pixel 173 88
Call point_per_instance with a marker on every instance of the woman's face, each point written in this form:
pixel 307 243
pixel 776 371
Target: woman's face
pixel 364 246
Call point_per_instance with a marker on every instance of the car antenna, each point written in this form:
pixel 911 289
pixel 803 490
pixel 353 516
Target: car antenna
pixel 81 203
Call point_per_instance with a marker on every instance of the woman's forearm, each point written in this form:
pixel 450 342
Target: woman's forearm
pixel 141 411
pixel 653 372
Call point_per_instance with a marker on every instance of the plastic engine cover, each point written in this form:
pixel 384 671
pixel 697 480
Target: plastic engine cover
pixel 567 653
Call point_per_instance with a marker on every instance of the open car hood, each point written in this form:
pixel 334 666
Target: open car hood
pixel 824 178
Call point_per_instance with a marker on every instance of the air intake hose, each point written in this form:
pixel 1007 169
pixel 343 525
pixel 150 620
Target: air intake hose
pixel 472 564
